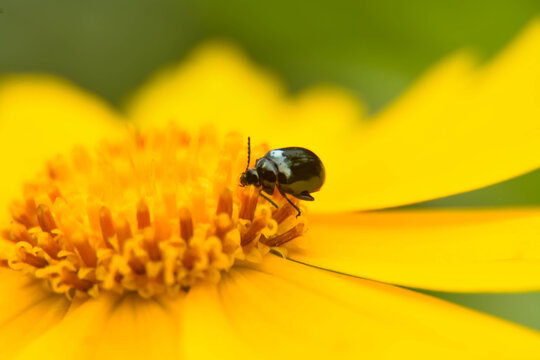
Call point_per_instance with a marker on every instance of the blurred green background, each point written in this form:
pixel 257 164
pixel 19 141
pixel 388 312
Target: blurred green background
pixel 375 49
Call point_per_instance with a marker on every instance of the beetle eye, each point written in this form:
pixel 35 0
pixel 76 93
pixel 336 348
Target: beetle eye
pixel 252 177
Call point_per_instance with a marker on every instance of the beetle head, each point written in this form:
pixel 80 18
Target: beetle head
pixel 250 177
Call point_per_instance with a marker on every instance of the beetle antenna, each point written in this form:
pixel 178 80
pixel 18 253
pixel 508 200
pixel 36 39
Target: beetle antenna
pixel 249 152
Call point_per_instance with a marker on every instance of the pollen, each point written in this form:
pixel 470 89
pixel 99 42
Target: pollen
pixel 153 213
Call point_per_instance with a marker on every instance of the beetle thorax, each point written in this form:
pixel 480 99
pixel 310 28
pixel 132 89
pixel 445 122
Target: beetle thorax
pixel 268 172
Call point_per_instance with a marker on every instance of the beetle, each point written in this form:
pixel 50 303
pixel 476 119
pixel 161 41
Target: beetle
pixel 292 170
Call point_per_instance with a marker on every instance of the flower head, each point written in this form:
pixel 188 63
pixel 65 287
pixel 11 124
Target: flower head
pixel 154 213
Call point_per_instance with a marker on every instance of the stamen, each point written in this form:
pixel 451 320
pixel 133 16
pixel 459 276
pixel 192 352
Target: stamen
pixel 87 253
pixel 258 224
pixel 49 245
pixel 45 218
pixel 283 213
pixel 137 266
pixel 287 236
pixel 186 224
pixel 225 203
pixel 20 215
pixel 30 204
pixel 106 223
pixel 71 278
pixel 191 256
pixel 19 233
pixel 143 215
pixel 249 203
pixel 123 233
pixel 33 260
pixel 151 244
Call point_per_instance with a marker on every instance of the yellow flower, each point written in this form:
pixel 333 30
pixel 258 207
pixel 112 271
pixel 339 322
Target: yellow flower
pixel 150 250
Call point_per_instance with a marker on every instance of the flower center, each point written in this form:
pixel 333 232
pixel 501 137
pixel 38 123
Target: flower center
pixel 152 213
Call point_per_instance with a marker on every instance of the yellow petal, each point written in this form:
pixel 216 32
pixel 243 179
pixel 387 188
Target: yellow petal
pixel 41 116
pixel 218 85
pixel 288 311
pixel 281 309
pixel 110 328
pixel 72 337
pixel 459 128
pixel 206 330
pixel 215 85
pixel 450 250
pixel 27 310
pixel 138 329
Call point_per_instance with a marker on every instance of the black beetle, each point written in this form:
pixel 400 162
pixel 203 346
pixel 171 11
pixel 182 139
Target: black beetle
pixel 293 170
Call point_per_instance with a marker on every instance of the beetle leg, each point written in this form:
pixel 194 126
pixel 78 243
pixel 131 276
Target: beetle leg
pixel 304 195
pixel 268 199
pixel 290 202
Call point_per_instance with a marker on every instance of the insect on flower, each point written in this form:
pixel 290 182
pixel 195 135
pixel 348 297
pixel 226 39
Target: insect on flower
pixel 293 170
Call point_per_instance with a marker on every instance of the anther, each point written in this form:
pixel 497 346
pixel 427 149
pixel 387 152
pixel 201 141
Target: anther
pixel 151 244
pixel 190 258
pixel 258 224
pixel 19 233
pixel 30 205
pixel 225 202
pixel 247 210
pixel 25 213
pixel 123 232
pixel 45 218
pixel 137 266
pixel 143 215
pixel 21 216
pixel 49 245
pixel 30 192
pixel 282 213
pixel 71 278
pixel 186 224
pixel 87 253
pixel 33 260
pixel 106 223
pixel 287 236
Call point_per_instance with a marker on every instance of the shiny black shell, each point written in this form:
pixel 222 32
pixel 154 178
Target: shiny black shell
pixel 299 171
